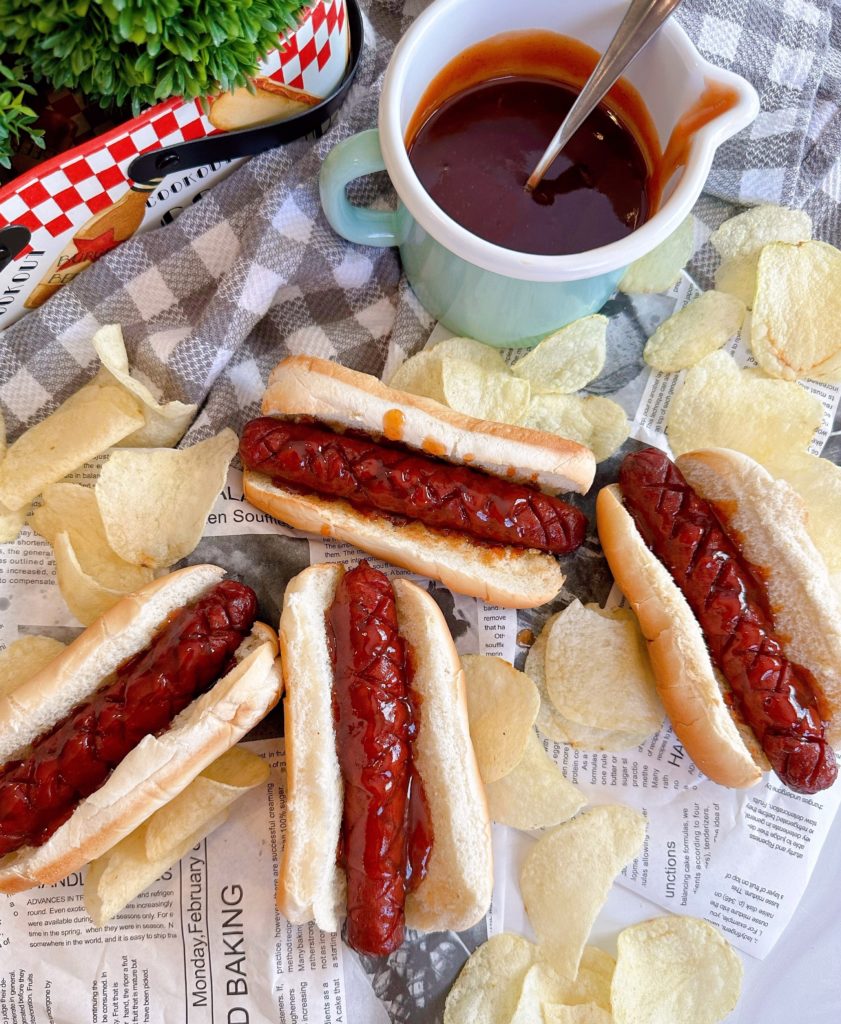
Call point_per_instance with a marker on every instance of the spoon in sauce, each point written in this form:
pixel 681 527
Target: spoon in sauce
pixel 642 20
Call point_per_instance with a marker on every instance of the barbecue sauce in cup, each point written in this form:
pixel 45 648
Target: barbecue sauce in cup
pixel 485 120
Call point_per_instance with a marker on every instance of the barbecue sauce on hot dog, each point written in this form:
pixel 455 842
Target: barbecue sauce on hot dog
pixel 396 481
pixel 193 648
pixel 386 838
pixel 773 695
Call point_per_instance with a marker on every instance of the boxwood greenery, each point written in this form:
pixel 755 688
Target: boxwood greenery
pixel 136 52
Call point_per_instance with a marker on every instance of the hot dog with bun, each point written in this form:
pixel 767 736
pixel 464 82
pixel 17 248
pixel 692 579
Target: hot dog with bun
pixel 742 621
pixel 465 501
pixel 387 820
pixel 125 717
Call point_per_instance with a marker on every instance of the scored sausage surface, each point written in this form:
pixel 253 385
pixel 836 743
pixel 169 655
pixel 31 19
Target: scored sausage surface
pixel 374 728
pixel 376 476
pixel 39 792
pixel 772 694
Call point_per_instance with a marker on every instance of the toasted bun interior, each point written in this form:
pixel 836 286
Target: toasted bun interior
pixel 310 885
pixel 508 576
pixel 770 521
pixel 159 767
pixel 686 680
pixel 456 891
pixel 346 399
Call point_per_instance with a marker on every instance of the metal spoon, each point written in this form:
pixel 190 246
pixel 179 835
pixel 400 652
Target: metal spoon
pixel 642 20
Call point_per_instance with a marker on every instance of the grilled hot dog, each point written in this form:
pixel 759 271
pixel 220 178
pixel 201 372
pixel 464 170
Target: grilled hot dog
pixel 134 705
pixel 788 706
pixel 381 478
pixel 375 711
pixel 465 501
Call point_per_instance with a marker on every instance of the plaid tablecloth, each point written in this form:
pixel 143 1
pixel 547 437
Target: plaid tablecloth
pixel 210 303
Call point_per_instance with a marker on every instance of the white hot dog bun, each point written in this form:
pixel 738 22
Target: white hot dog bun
pixel 343 399
pixel 456 891
pixel 767 520
pixel 159 767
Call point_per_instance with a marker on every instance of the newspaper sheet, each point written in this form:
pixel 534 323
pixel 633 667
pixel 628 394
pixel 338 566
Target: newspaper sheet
pixel 204 944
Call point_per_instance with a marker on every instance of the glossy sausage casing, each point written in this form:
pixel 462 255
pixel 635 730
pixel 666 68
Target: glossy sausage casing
pixel 403 483
pixel 373 717
pixel 386 839
pixel 193 648
pixel 773 695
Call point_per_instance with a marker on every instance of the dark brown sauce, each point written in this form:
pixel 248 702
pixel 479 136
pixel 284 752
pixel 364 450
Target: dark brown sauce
pixel 487 116
pixel 485 120
pixel 474 153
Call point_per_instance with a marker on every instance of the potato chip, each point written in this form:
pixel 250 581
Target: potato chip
pixel 794 329
pixel 420 375
pixel 674 969
pixel 11 523
pixel 165 424
pixel 818 482
pixel 701 327
pixel 598 423
pixel 73 509
pixel 540 986
pixel 25 658
pixel 660 269
pixel 471 351
pixel 569 359
pixel 534 794
pixel 737 278
pixel 84 595
pixel 721 406
pixel 485 394
pixel 154 502
pixel 552 723
pixel 89 422
pixel 598 672
pixel 502 705
pixel 740 240
pixel 591 984
pixel 583 1013
pixel 488 988
pixel 745 234
pixel 568 873
pixel 124 871
pixel 208 794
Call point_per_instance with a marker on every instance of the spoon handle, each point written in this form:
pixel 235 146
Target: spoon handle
pixel 641 21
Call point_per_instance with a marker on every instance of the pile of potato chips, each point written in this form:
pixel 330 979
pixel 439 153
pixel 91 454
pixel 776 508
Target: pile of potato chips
pixel 124 871
pixel 524 787
pixel 792 284
pixel 150 503
pixel 539 390
pixel 588 683
pixel 676 969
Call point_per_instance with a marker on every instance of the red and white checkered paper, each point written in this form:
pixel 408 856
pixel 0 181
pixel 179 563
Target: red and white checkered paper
pixel 56 198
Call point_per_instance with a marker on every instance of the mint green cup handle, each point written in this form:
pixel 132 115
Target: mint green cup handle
pixel 355 157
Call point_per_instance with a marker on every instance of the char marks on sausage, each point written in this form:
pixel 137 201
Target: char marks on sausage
pixel 39 792
pixel 374 727
pixel 398 482
pixel 773 695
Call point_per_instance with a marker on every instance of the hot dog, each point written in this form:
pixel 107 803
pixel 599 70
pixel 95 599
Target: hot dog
pixel 737 606
pixel 461 500
pixel 387 821
pixel 124 718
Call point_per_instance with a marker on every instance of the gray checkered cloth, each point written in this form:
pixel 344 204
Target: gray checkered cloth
pixel 212 301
